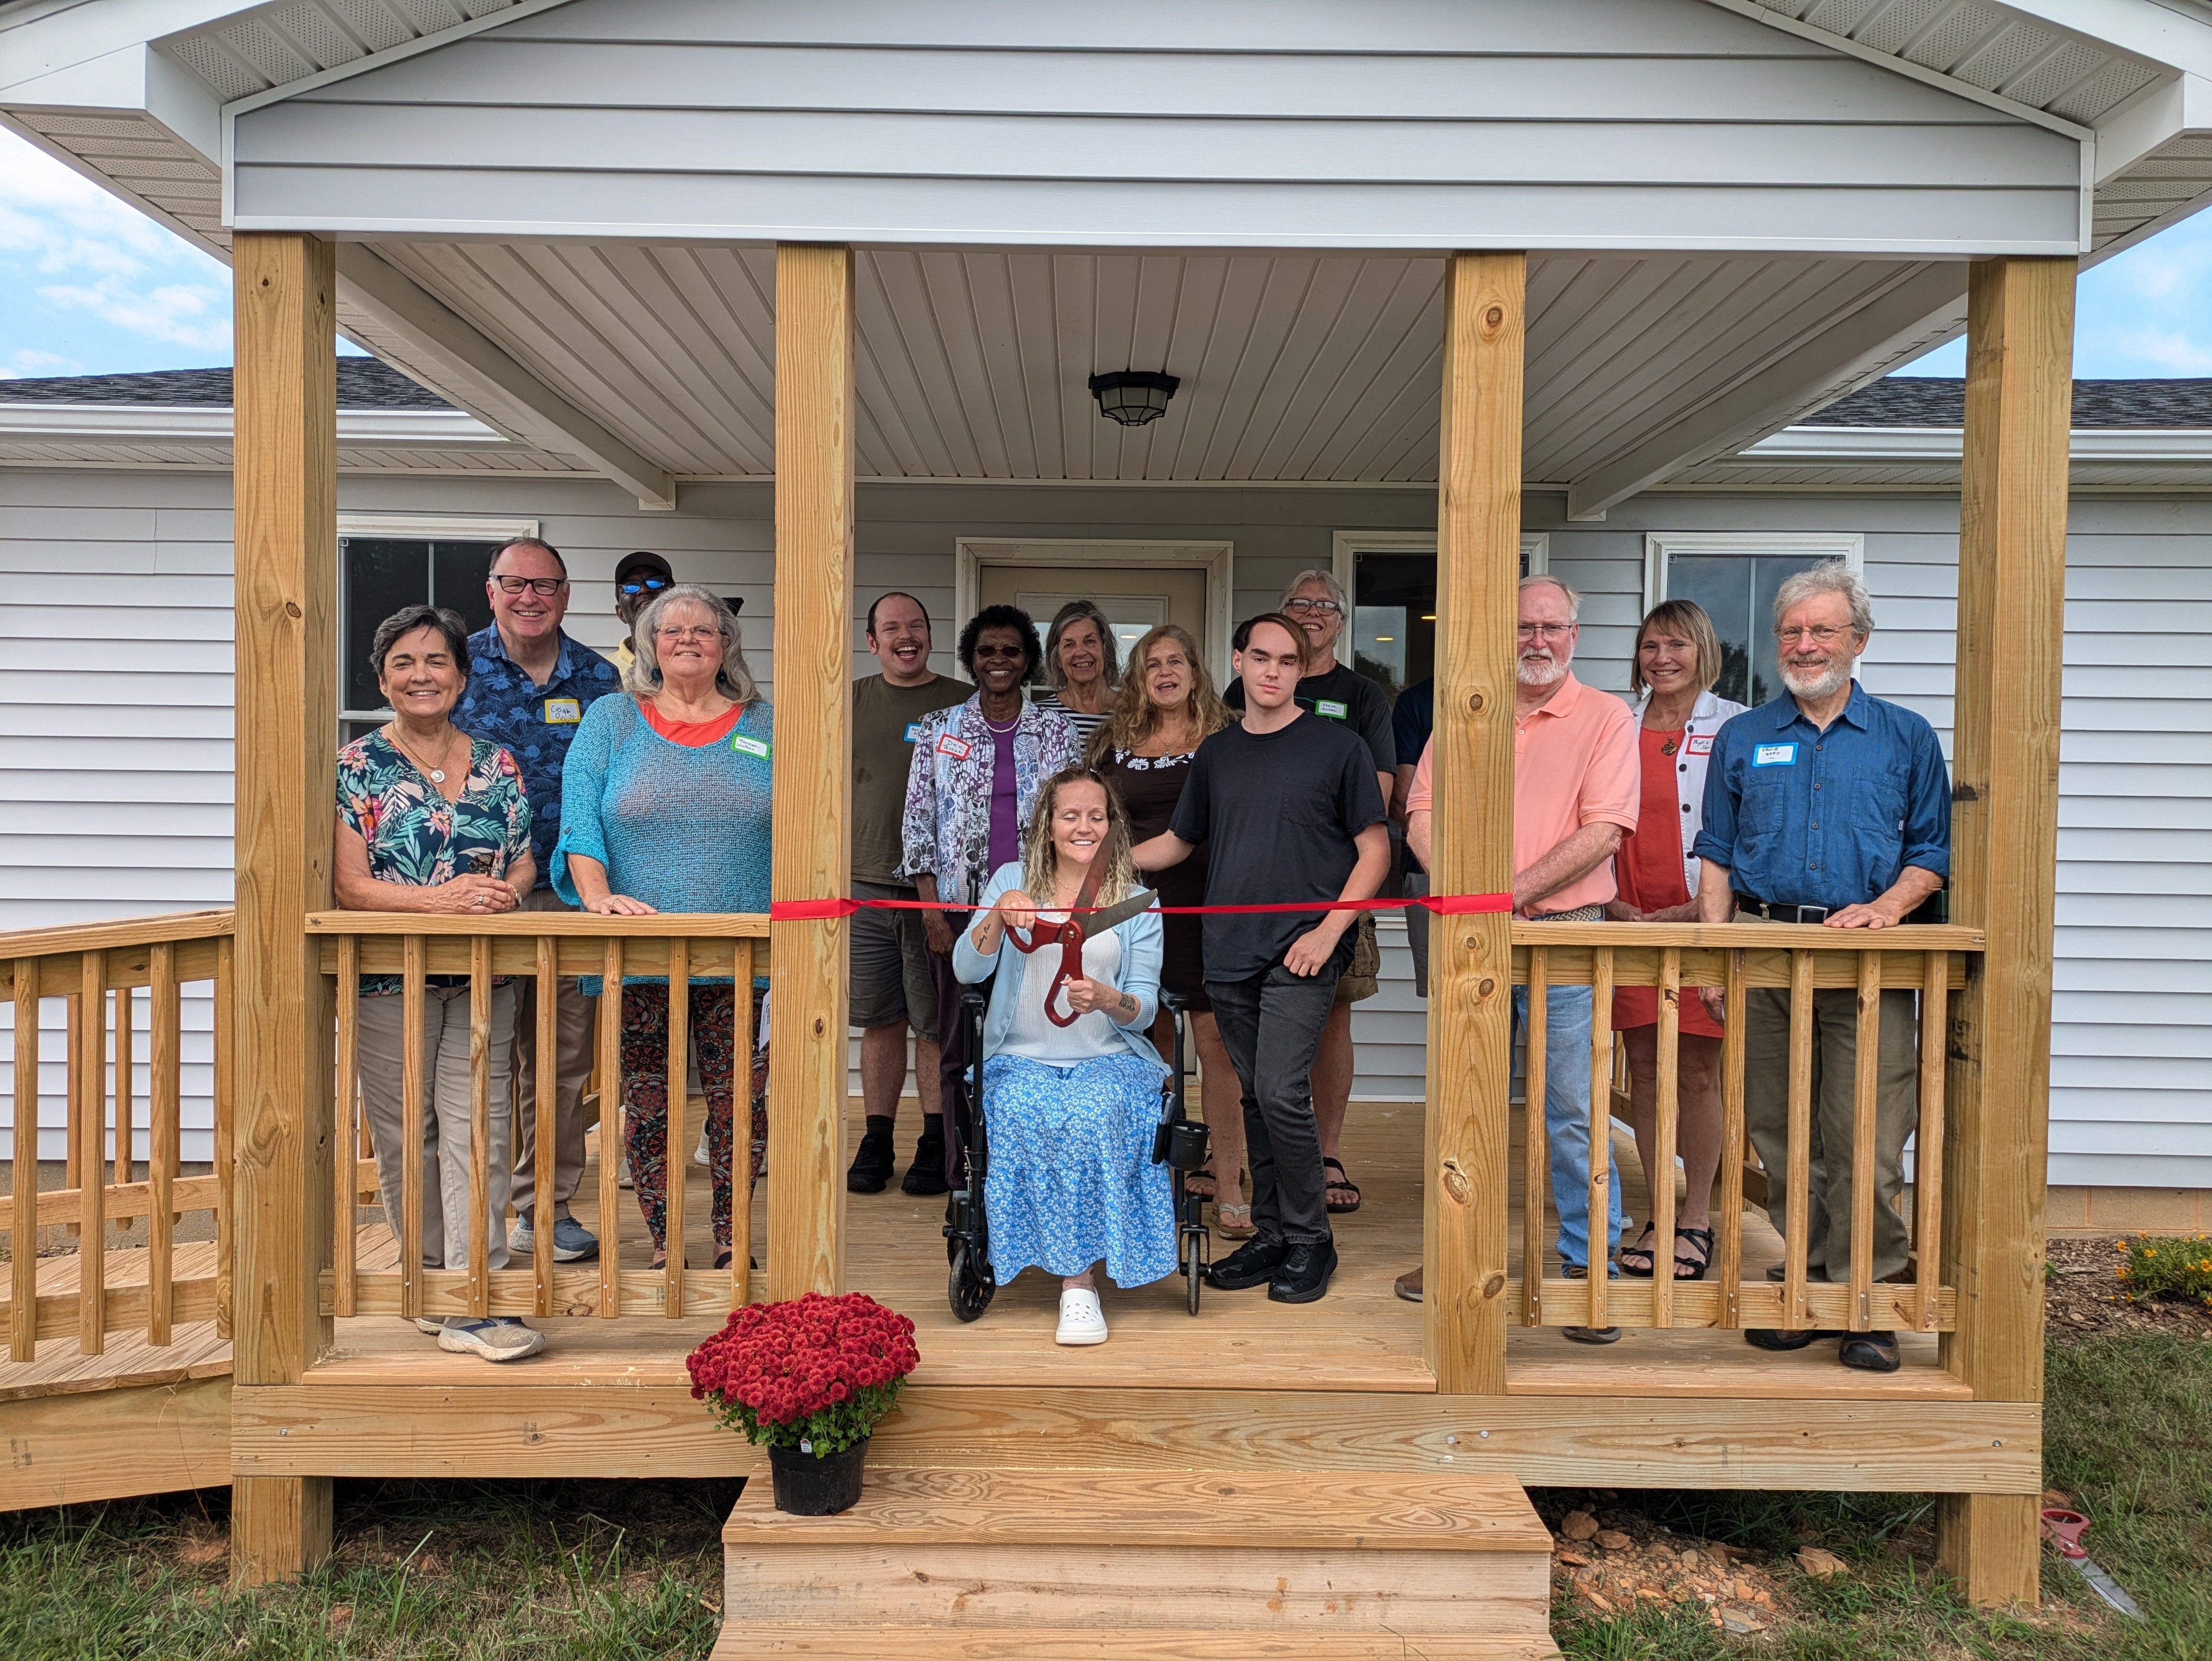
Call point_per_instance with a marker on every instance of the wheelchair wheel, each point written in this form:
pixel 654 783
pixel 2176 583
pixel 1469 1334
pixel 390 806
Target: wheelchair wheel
pixel 1193 1273
pixel 970 1285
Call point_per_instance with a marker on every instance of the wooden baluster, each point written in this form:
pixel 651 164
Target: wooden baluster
pixel 1536 1150
pixel 72 1093
pixel 1798 1191
pixel 413 960
pixel 1665 1122
pixel 481 1221
pixel 23 1221
pixel 680 1099
pixel 1866 1085
pixel 1928 1160
pixel 126 1111
pixel 91 1067
pixel 1599 1258
pixel 741 1131
pixel 226 961
pixel 164 1136
pixel 547 1040
pixel 610 1132
pixel 1729 1219
pixel 345 1165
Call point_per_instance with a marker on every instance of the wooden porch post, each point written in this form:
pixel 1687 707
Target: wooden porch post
pixel 285 499
pixel 815 411
pixel 2012 597
pixel 1471 965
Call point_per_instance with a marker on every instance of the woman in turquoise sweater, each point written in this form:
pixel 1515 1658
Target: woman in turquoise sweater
pixel 664 807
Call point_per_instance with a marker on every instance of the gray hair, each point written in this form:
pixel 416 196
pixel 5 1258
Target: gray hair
pixel 1567 591
pixel 1075 612
pixel 1328 581
pixel 1830 576
pixel 644 675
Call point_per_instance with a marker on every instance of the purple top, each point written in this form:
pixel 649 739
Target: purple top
pixel 1006 820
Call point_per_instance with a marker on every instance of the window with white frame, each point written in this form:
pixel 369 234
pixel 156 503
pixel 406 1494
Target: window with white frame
pixel 1391 576
pixel 1734 575
pixel 386 565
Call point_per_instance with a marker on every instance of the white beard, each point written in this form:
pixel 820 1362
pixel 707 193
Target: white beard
pixel 1823 684
pixel 1540 672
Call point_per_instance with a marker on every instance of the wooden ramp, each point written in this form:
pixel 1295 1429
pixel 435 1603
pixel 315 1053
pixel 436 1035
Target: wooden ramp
pixel 1114 1566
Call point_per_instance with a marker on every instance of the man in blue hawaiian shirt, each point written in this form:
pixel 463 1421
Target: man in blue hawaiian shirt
pixel 528 688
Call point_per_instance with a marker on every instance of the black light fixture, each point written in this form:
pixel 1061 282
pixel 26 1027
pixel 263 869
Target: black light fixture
pixel 1133 397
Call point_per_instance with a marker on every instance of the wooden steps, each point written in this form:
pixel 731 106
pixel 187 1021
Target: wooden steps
pixel 1053 1565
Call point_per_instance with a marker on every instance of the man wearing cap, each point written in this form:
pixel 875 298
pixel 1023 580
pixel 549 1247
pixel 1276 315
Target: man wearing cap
pixel 638 578
pixel 528 688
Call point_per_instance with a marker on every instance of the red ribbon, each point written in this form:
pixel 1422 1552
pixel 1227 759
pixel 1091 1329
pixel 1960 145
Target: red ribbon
pixel 1444 905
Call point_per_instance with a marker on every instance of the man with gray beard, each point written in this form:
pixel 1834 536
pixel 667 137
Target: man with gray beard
pixel 1826 807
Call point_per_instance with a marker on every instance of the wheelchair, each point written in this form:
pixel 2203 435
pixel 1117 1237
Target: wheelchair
pixel 1179 1143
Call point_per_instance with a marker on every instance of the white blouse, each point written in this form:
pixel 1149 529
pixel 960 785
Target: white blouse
pixel 1093 1035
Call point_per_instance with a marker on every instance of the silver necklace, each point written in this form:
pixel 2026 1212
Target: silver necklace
pixel 437 774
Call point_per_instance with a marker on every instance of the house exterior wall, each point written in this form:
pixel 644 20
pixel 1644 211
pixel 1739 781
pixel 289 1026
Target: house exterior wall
pixel 115 662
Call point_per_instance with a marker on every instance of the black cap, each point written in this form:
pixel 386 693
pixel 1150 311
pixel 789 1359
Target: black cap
pixel 642 560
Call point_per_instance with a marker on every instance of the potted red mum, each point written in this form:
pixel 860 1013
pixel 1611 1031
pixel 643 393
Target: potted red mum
pixel 810 1378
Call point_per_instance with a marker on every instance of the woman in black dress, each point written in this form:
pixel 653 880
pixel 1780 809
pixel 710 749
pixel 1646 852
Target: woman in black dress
pixel 1166 708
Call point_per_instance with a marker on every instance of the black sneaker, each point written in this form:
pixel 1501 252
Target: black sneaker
pixel 1303 1277
pixel 872 1168
pixel 926 1174
pixel 1253 1263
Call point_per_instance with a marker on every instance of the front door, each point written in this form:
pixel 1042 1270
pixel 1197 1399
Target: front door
pixel 1133 598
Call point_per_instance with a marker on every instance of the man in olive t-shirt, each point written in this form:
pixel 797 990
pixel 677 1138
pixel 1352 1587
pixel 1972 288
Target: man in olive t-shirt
pixel 894 983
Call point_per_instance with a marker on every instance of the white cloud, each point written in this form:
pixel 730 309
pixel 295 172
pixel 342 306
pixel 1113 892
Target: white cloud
pixel 183 314
pixel 2168 353
pixel 28 361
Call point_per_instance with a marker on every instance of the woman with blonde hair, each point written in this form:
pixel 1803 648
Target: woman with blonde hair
pixel 1166 709
pixel 1677 660
pixel 1070 1108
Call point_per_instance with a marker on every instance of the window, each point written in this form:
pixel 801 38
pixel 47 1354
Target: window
pixel 1392 578
pixel 387 564
pixel 1734 576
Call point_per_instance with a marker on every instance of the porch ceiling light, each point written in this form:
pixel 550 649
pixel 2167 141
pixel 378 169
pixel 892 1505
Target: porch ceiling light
pixel 1133 397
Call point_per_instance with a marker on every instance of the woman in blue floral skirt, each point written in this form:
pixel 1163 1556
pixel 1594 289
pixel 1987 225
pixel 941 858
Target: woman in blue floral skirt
pixel 1071 1110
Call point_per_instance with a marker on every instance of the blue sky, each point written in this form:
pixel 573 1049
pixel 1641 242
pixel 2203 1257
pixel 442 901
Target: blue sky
pixel 89 286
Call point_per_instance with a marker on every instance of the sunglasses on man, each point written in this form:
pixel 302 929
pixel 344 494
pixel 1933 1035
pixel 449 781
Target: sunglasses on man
pixel 645 585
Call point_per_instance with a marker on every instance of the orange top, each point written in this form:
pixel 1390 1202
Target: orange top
pixel 1574 764
pixel 692 734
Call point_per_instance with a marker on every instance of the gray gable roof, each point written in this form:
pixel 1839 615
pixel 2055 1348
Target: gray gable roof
pixel 1928 401
pixel 364 383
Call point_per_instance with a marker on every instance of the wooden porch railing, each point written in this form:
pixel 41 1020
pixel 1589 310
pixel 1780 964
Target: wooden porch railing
pixel 92 1286
pixel 1677 960
pixel 549 947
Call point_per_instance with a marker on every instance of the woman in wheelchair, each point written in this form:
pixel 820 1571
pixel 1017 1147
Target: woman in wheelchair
pixel 1071 1092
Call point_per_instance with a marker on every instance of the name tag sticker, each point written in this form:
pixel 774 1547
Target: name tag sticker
pixel 1702 746
pixel 1331 709
pixel 955 748
pixel 750 746
pixel 562 712
pixel 1774 755
pixel 913 730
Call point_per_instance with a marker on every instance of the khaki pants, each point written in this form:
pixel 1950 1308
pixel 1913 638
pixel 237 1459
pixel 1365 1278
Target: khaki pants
pixel 575 1020
pixel 445 1150
pixel 1835 1060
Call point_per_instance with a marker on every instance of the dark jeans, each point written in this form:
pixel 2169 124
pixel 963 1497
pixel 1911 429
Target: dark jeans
pixel 1271 1025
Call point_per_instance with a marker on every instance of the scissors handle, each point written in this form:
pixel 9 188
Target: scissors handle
pixel 1071 969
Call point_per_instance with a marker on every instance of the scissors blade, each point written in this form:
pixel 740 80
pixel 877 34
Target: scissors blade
pixel 1099 922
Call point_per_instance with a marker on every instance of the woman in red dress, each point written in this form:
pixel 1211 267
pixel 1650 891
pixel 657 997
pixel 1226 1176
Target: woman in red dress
pixel 1678 659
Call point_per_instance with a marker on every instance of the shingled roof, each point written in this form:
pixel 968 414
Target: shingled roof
pixel 1927 401
pixel 364 383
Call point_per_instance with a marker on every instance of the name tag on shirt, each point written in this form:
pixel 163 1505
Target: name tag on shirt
pixel 750 746
pixel 563 712
pixel 955 748
pixel 1774 755
pixel 913 730
pixel 1331 709
pixel 1701 746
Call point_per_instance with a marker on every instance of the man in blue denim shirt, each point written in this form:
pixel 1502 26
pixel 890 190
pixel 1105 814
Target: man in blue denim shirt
pixel 528 688
pixel 1828 806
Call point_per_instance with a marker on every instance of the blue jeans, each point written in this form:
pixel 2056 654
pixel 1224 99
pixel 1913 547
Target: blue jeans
pixel 1566 1117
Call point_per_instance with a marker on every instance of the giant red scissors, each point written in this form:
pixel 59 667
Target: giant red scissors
pixel 1081 923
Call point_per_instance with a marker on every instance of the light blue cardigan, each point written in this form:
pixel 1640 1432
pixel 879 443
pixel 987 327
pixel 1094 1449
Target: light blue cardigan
pixel 1139 974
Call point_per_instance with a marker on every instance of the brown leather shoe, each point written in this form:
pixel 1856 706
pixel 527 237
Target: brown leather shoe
pixel 1408 1286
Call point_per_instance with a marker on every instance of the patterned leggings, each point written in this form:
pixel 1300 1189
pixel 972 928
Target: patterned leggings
pixel 646 1068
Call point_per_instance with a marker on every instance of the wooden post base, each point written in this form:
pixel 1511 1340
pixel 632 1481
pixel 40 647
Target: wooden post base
pixel 1991 1544
pixel 279 1527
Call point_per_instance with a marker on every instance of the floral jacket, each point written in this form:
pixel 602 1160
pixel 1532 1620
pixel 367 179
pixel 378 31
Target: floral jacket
pixel 946 828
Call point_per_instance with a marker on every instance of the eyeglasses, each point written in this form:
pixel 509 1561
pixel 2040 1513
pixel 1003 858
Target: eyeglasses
pixel 996 652
pixel 548 586
pixel 646 585
pixel 1823 635
pixel 1544 630
pixel 687 633
pixel 1327 608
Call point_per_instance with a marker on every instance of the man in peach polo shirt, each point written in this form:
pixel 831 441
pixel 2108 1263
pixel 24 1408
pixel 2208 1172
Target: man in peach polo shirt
pixel 1575 794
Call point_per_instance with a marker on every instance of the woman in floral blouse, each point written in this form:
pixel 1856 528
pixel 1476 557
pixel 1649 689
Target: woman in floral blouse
pixel 429 819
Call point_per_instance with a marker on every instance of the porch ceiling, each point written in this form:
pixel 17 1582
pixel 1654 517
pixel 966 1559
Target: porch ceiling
pixel 1304 369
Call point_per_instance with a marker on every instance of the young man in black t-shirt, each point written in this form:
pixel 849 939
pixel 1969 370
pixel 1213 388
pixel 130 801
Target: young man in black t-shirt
pixel 1291 810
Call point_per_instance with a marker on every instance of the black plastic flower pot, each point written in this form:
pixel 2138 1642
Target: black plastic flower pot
pixel 809 1486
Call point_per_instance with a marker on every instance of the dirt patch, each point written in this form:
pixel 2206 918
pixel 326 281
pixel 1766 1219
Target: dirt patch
pixel 1610 1559
pixel 2083 1295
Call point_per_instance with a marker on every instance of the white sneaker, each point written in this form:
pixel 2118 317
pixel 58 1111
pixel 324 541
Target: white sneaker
pixel 432 1326
pixel 502 1338
pixel 1081 1320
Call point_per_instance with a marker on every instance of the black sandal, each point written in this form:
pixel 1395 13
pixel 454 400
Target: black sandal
pixel 1204 1174
pixel 1693 1269
pixel 1626 1256
pixel 722 1258
pixel 1342 1180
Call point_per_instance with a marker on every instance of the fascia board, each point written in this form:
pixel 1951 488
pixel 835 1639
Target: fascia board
pixel 1800 445
pixel 134 78
pixel 2156 116
pixel 42 40
pixel 2155 32
pixel 153 424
